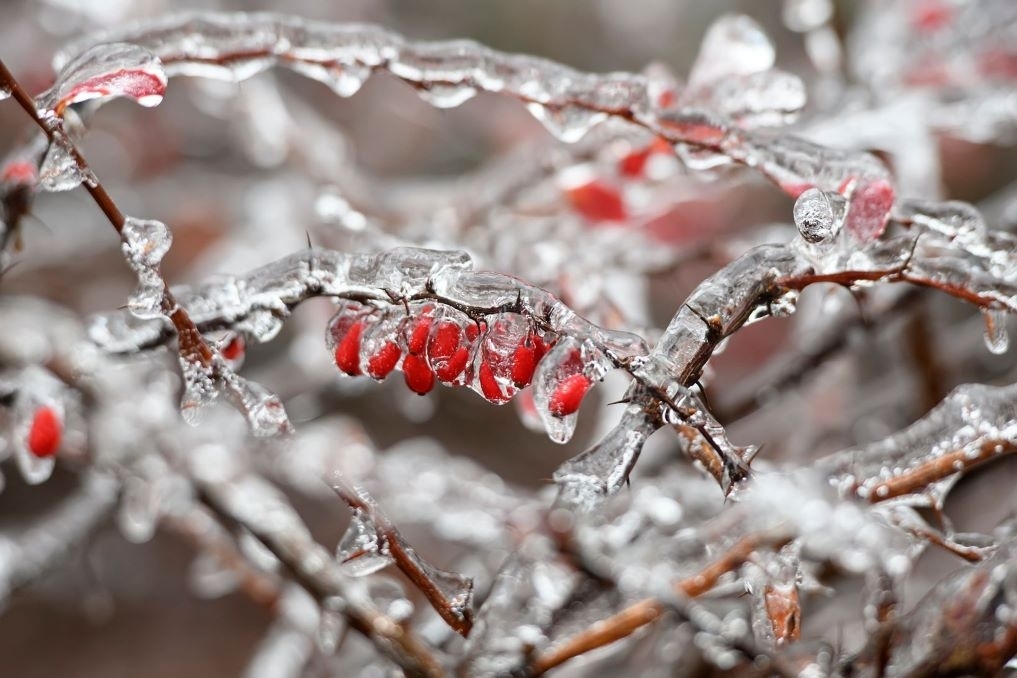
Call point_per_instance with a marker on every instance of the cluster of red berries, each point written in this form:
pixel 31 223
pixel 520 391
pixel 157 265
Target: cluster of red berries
pixel 435 344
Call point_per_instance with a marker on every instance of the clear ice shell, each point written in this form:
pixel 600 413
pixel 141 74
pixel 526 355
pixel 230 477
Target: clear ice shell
pixel 59 170
pixel 360 551
pixel 106 71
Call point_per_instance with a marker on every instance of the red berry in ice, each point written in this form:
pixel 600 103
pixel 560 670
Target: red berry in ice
pixel 347 351
pixel 568 395
pixel 384 360
pixel 418 374
pixel 45 433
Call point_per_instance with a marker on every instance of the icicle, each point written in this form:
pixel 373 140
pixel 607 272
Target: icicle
pixel 997 340
pixel 360 551
pixel 566 122
pixel 138 512
pixel 145 243
pixel 345 79
pixel 107 71
pixel 390 598
pixel 559 385
pixel 447 96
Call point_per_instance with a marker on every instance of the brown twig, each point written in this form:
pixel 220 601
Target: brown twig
pixel 458 617
pixel 192 345
pixel 648 610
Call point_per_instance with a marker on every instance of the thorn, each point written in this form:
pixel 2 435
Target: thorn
pixel 308 234
pixel 702 392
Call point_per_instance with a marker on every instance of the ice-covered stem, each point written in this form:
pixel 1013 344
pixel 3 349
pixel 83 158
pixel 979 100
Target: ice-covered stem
pixel 192 344
pixel 257 303
pixel 27 553
pixel 705 117
pixel 648 610
pixel 458 613
pixel 253 504
pixel 199 527
pixel 965 625
pixel 973 425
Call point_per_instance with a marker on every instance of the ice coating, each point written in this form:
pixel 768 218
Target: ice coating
pixel 107 71
pixel 974 424
pixel 360 552
pixel 145 243
pixel 733 83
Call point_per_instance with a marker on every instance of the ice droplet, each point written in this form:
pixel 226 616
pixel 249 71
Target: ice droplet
pixel 138 511
pixel 4 93
pixel 107 71
pixel 733 45
pixel 446 96
pixel 345 79
pixel 59 170
pixel 199 390
pixel 997 340
pixel 263 409
pixel 360 552
pixel 819 215
pixel 145 242
pixel 390 598
pixel 568 123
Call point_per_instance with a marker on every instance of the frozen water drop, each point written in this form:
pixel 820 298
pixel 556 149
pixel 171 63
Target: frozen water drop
pixel 567 122
pixel 447 96
pixel 360 551
pixel 138 512
pixel 5 93
pixel 59 170
pixel 345 79
pixel 818 215
pixel 199 390
pixel 733 45
pixel 145 242
pixel 997 340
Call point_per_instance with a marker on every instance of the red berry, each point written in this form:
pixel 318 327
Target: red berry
pixel 444 341
pixel 418 374
pixel 597 201
pixel 45 433
pixel 381 364
pixel 234 348
pixel 473 331
pixel 489 385
pixel 633 164
pixel 524 360
pixel 418 337
pixel 454 366
pixel 347 352
pixel 568 395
